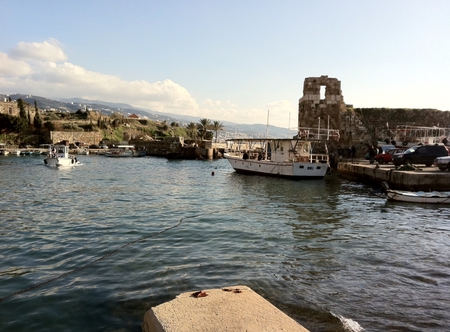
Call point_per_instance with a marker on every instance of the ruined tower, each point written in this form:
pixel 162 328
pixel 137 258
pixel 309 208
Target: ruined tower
pixel 311 107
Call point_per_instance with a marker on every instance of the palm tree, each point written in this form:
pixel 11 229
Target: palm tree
pixel 203 127
pixel 216 126
pixel 191 130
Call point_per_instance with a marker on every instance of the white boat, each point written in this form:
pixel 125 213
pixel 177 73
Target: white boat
pixel 26 153
pixel 83 151
pixel 121 151
pixel 305 156
pixel 434 197
pixel 4 152
pixel 58 156
pixel 408 136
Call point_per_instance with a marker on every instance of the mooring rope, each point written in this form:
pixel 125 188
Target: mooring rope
pixel 94 261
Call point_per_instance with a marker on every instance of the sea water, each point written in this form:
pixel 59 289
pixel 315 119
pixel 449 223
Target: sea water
pixel 93 247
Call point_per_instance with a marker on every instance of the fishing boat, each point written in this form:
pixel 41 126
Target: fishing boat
pixel 433 197
pixel 304 156
pixel 58 156
pixel 122 151
pixel 408 136
pixel 4 152
pixel 84 151
pixel 26 153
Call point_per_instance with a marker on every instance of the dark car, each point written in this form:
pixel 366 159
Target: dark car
pixel 386 156
pixel 420 154
pixel 442 162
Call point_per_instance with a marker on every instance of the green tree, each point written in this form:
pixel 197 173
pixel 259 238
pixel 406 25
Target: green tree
pixel 165 127
pixel 203 127
pixel 20 125
pixel 216 126
pixel 21 105
pixel 50 126
pixel 37 118
pixel 191 130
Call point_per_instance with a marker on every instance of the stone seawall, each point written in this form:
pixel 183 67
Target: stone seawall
pixel 425 179
pixel 93 137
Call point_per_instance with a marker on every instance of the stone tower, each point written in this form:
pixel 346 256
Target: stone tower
pixel 328 109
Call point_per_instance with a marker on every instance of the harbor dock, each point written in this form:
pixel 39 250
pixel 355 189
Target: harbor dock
pixel 235 308
pixel 421 179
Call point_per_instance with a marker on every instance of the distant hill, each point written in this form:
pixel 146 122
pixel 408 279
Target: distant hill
pixel 74 104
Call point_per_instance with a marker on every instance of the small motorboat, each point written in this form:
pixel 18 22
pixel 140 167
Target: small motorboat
pixel 432 197
pixel 58 156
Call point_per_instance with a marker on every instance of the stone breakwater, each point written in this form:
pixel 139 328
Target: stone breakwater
pixel 424 178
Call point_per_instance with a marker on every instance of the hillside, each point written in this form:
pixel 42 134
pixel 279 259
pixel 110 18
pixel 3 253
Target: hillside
pixel 108 108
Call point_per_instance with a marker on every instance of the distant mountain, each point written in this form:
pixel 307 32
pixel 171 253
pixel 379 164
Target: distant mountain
pixel 231 129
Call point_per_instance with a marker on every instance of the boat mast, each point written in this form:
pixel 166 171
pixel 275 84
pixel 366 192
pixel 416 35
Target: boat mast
pixel 318 130
pixel 289 125
pixel 267 127
pixel 328 131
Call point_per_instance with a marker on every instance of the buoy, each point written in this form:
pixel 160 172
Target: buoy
pixel 212 173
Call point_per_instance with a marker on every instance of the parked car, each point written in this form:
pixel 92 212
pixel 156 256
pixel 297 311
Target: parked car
pixel 386 156
pixel 442 162
pixel 420 154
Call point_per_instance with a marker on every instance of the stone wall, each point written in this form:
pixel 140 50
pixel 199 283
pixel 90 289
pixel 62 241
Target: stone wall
pixel 10 108
pixel 93 137
pixel 311 107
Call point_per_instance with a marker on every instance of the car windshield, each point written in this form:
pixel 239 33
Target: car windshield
pixel 410 150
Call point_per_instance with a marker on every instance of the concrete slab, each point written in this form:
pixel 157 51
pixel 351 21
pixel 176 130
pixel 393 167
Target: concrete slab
pixel 235 308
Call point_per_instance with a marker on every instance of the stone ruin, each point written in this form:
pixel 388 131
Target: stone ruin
pixel 329 109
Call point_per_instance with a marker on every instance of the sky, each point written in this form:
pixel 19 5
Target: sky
pixel 240 61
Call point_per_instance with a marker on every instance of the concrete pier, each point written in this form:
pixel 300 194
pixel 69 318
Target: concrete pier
pixel 425 178
pixel 234 308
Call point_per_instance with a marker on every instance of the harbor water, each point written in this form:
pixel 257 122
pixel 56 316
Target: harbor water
pixel 92 248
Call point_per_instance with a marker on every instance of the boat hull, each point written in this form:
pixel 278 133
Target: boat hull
pixel 410 197
pixel 415 197
pixel 292 170
pixel 61 162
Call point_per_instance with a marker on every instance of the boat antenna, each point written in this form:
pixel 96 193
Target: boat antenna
pixel 289 125
pixel 267 127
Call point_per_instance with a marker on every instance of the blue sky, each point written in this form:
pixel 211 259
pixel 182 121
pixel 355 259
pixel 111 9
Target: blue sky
pixel 227 60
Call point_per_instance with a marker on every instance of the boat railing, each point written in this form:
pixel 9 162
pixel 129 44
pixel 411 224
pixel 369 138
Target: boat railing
pixel 319 158
pixel 419 134
pixel 320 134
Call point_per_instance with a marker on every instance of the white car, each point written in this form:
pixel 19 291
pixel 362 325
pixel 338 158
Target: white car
pixel 442 162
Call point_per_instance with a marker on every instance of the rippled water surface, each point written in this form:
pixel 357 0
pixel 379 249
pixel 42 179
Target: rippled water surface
pixel 92 248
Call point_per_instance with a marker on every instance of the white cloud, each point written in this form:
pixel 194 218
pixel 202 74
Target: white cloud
pixel 10 67
pixel 49 50
pixel 40 69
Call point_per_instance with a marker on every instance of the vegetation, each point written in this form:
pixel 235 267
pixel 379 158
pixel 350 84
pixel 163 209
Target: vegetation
pixel 32 126
pixel 216 126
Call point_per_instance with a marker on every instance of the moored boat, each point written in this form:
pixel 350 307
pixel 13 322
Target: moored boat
pixel 84 151
pixel 408 136
pixel 26 153
pixel 304 156
pixel 122 151
pixel 434 197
